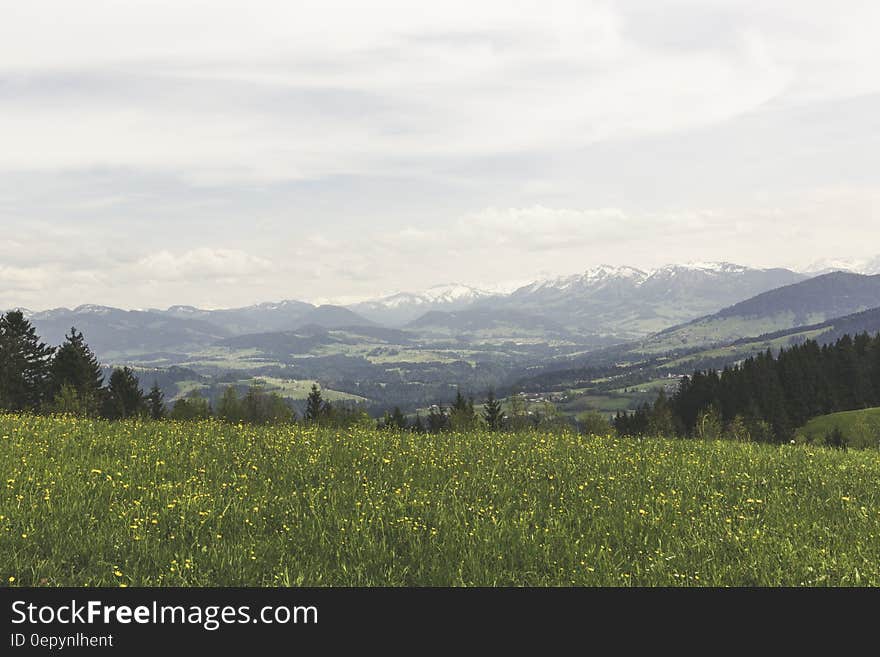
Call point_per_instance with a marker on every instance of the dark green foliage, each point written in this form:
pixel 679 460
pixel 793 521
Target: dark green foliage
pixel 76 366
pixel 492 412
pixel 256 407
pixel 316 408
pixel 24 364
pixel 394 420
pixel 836 439
pixel 229 406
pixel 437 420
pixel 261 407
pixel 418 426
pixel 156 402
pixel 462 416
pixel 766 398
pixel 124 397
pixel 594 423
pixel 191 407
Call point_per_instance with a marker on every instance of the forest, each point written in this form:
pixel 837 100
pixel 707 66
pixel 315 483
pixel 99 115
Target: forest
pixel 766 397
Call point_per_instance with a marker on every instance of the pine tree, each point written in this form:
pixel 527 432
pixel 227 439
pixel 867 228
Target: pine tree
pixel 437 420
pixel 316 407
pixel 124 397
pixel 418 426
pixel 75 365
pixel 24 364
pixel 229 406
pixel 156 402
pixel 398 419
pixel 492 412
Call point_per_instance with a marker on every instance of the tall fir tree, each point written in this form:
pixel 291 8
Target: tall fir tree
pixel 156 402
pixel 492 412
pixel 124 397
pixel 316 407
pixel 24 364
pixel 75 365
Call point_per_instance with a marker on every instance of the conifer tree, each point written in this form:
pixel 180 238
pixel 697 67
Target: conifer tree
pixel 24 364
pixel 316 407
pixel 418 426
pixel 492 412
pixel 229 406
pixel 156 402
pixel 124 397
pixel 76 366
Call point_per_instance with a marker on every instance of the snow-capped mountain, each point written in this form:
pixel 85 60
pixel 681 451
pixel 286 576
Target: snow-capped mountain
pixel 398 309
pixel 595 277
pixel 629 301
pixel 869 266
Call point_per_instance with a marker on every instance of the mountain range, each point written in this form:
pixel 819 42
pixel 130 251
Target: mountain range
pixel 602 303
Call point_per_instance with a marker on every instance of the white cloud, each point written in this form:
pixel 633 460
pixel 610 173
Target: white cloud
pixel 202 263
pixel 224 152
pixel 294 90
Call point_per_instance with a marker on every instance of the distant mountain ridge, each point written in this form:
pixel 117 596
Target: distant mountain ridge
pixel 867 266
pixel 810 302
pixel 603 303
pixel 632 303
pixel 403 307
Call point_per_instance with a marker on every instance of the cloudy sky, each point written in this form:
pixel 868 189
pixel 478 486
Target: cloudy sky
pixel 224 152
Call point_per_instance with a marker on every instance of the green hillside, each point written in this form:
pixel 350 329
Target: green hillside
pixel 860 428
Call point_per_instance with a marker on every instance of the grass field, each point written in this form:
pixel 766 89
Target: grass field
pixel 860 428
pixel 163 503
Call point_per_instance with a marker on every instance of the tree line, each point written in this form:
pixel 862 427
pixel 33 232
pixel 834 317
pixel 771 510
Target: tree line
pixel 68 379
pixel 35 377
pixel 38 378
pixel 766 398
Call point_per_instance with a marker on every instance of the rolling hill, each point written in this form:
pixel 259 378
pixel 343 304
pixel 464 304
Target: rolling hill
pixel 114 333
pixel 807 303
pixel 485 323
pixel 270 316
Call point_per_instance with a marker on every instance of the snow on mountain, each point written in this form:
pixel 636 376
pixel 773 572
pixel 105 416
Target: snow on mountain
pixel 450 293
pixel 93 309
pixel 710 268
pixel 869 266
pixel 591 278
pixel 397 309
pixel 604 274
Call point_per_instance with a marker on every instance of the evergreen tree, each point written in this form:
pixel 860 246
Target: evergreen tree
pixel 75 365
pixel 316 407
pixel 518 414
pixel 229 406
pixel 492 412
pixel 124 397
pixel 24 364
pixel 437 419
pixel 418 426
pixel 461 415
pixel 156 402
pixel 191 407
pixel 397 419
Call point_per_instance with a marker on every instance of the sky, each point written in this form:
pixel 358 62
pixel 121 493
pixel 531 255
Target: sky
pixel 221 153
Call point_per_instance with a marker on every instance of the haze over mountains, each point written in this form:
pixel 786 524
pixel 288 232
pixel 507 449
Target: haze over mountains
pixel 411 349
pixel 673 307
pixel 813 301
pixel 604 302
